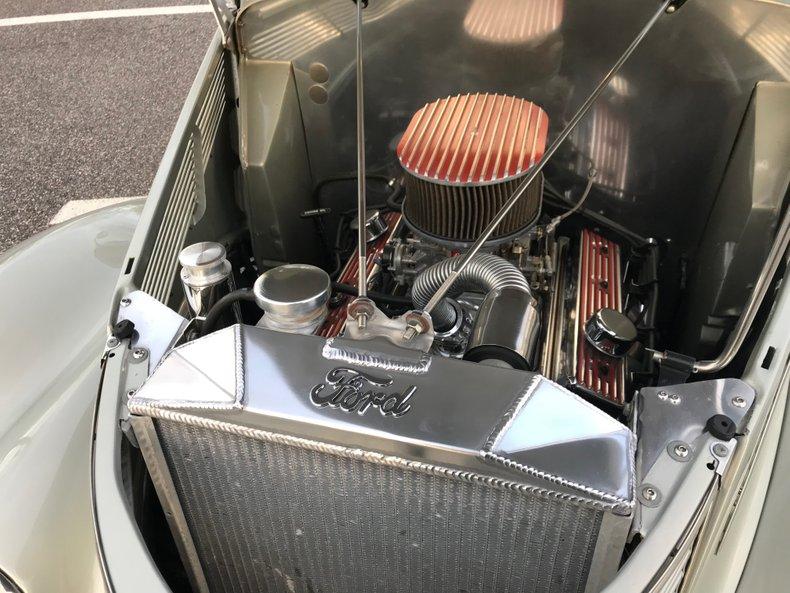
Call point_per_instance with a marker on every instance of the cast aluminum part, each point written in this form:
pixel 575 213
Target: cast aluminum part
pixel 205 275
pixel 506 330
pixel 293 298
pixel 485 273
pixel 775 257
pixel 535 171
pixel 405 259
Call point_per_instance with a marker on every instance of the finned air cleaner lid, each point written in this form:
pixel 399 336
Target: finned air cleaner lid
pixel 473 139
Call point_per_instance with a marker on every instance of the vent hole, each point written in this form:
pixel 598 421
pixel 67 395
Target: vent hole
pixel 129 265
pixel 769 358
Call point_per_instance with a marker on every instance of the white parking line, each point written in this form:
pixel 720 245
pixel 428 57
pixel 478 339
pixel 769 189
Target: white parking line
pixel 75 208
pixel 104 14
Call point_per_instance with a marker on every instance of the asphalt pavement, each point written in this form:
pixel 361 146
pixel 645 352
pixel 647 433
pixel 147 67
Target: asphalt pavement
pixel 87 106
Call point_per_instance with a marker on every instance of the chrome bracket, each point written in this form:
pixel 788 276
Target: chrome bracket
pixel 412 330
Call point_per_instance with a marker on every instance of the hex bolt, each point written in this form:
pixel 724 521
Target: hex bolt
pixel 720 450
pixel 739 402
pixel 674 398
pixel 113 342
pixel 649 493
pixel 681 450
pixel 126 301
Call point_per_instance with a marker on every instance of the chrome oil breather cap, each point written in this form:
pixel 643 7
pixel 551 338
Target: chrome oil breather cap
pixel 610 332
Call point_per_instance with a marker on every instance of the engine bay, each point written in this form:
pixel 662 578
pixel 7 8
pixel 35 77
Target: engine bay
pixel 458 355
pixel 554 291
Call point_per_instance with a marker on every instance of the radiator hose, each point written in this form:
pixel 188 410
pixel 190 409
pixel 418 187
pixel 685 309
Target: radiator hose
pixel 483 274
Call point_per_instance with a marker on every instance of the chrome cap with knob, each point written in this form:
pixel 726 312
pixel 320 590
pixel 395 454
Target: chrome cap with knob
pixel 610 332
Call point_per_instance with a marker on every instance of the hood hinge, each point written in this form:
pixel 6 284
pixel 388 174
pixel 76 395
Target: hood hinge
pixel 225 12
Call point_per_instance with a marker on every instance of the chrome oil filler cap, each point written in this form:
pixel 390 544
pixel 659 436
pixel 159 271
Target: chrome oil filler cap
pixel 610 332
pixel 375 225
pixel 293 298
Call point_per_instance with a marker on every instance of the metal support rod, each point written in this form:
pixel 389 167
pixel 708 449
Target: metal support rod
pixel 738 335
pixel 530 177
pixel 362 281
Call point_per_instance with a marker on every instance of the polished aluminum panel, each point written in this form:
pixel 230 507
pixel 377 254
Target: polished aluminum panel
pixel 156 327
pixel 376 397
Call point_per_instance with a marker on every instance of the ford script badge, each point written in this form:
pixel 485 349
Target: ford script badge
pixel 354 391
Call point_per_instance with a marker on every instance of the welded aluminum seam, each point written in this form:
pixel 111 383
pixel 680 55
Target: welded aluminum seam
pixel 617 501
pixel 238 337
pixel 137 403
pixel 377 361
pixel 505 423
pixel 373 457
pixel 510 414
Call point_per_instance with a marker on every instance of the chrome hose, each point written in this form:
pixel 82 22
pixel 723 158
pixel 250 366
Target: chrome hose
pixel 482 274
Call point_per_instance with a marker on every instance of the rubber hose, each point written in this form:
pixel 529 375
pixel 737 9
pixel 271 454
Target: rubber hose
pixel 242 294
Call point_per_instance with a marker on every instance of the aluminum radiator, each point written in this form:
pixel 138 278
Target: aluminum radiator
pixel 290 463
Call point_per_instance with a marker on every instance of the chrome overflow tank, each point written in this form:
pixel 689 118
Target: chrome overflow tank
pixel 205 275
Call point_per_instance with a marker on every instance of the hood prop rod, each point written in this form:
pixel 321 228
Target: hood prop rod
pixel 667 6
pixel 360 308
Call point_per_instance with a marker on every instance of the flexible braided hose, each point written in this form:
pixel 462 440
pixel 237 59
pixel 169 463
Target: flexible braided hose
pixel 483 274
